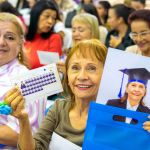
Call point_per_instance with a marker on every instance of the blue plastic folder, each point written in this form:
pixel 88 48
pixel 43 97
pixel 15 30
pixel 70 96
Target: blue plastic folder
pixel 104 133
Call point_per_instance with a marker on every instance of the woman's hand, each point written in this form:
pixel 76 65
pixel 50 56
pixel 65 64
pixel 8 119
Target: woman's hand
pixel 16 101
pixel 146 125
pixel 115 41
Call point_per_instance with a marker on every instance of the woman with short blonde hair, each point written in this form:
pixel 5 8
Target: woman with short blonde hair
pixel 89 22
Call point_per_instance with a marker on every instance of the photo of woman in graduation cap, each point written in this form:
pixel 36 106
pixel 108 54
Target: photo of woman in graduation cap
pixel 134 93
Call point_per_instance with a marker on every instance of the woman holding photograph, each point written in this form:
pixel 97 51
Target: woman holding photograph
pixel 68 117
pixel 134 93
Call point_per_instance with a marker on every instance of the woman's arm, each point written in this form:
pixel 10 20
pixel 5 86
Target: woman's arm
pixel 8 136
pixel 15 99
pixel 26 140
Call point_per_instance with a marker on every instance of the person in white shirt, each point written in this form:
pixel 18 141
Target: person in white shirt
pixel 140 32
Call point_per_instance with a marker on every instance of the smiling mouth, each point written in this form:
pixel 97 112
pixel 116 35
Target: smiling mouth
pixel 84 86
pixel 141 44
pixel 136 94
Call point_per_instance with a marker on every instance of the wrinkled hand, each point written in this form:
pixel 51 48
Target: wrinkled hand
pixel 114 41
pixel 61 67
pixel 16 101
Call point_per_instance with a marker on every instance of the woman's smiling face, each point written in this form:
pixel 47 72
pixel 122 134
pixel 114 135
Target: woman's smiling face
pixel 10 42
pixel 142 31
pixel 136 91
pixel 84 76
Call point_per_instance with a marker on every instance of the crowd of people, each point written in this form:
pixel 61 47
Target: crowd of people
pixel 80 32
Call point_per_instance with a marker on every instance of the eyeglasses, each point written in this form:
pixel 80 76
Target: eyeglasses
pixel 142 35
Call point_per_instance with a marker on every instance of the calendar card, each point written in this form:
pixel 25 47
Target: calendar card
pixel 40 82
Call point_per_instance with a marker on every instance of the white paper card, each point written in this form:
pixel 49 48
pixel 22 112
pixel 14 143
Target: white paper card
pixel 60 143
pixel 38 83
pixel 48 57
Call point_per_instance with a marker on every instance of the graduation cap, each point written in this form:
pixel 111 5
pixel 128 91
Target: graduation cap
pixel 141 75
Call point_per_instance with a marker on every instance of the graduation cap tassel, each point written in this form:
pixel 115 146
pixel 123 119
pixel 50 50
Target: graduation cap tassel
pixel 120 92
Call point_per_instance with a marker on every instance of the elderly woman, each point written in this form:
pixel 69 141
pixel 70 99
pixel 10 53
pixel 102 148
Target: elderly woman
pixel 84 26
pixel 12 63
pixel 40 36
pixel 140 32
pixel 66 117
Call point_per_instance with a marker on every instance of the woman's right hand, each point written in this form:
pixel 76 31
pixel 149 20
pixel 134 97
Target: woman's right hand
pixel 16 101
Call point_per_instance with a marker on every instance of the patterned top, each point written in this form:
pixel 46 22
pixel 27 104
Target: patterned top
pixel 35 109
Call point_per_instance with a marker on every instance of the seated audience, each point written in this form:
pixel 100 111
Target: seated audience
pixel 140 32
pixel 40 34
pixel 13 63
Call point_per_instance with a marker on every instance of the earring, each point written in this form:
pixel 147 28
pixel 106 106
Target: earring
pixel 19 56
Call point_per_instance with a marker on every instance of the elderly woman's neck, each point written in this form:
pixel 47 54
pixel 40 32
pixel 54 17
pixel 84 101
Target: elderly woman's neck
pixel 11 62
pixel 81 106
